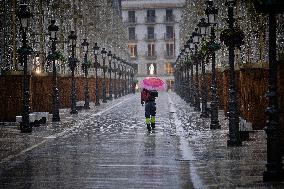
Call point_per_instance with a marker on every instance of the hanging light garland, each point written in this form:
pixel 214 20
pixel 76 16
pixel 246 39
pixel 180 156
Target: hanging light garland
pixel 251 29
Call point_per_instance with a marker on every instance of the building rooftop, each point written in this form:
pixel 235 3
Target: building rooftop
pixel 151 4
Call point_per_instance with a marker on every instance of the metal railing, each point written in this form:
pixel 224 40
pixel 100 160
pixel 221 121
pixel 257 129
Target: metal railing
pixel 150 19
pixel 132 38
pixel 131 20
pixel 150 56
pixel 169 55
pixel 169 19
pixel 151 37
pixel 168 36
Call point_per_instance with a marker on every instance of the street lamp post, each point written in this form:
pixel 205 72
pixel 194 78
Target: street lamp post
pixel 96 64
pixel 192 88
pixel 178 78
pixel 124 77
pixel 203 26
pixel 177 75
pixel 211 13
pixel 234 134
pixel 110 79
pixel 72 64
pixel 85 65
pixel 204 111
pixel 24 16
pixel 132 79
pixel 125 73
pixel 274 166
pixel 121 83
pixel 180 75
pixel 188 90
pixel 128 79
pixel 196 37
pixel 104 54
pixel 115 73
pixel 119 78
pixel 182 93
pixel 53 29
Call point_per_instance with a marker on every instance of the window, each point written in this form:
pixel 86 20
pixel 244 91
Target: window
pixel 132 51
pixel 169 68
pixel 169 14
pixel 170 49
pixel 170 84
pixel 150 32
pixel 152 69
pixel 151 49
pixel 169 32
pixel 131 33
pixel 131 16
pixel 151 15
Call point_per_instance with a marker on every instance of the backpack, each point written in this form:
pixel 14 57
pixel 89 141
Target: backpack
pixel 145 95
pixel 153 93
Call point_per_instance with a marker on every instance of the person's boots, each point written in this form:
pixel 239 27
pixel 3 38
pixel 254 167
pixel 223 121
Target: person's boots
pixel 149 127
pixel 153 125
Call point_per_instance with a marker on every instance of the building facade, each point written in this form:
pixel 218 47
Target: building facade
pixel 153 36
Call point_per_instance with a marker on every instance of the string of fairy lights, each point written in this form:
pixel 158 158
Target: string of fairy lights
pixel 98 21
pixel 253 24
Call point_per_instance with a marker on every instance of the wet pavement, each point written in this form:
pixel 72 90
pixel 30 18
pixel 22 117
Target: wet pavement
pixel 109 147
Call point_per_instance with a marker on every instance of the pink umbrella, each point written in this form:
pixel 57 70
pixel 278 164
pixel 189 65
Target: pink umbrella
pixel 153 83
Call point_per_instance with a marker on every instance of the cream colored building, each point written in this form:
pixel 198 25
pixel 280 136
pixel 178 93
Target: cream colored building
pixel 153 35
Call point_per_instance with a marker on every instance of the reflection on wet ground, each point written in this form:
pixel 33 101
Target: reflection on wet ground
pixel 108 150
pixel 109 147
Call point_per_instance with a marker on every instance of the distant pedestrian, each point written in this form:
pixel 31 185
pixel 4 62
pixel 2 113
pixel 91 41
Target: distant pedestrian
pixel 148 97
pixel 133 87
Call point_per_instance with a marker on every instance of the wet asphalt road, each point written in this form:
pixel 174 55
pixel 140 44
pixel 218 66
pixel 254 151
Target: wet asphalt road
pixel 107 149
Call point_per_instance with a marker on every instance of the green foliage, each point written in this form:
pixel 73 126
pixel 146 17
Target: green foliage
pixel 232 37
pixel 56 56
pixel 269 6
pixel 208 47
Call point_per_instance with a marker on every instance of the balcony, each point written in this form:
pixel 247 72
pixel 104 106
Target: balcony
pixel 169 37
pixel 169 19
pixel 134 57
pixel 169 73
pixel 150 38
pixel 150 20
pixel 169 55
pixel 150 56
pixel 132 38
pixel 131 21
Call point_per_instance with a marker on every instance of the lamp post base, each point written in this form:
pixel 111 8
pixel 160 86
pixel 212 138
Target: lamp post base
pixel 86 106
pixel 55 119
pixel 26 129
pixel 215 126
pixel 232 143
pixel 197 109
pixel 74 112
pixel 97 103
pixel 273 176
pixel 204 115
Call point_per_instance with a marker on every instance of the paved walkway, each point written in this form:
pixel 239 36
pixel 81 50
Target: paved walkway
pixel 109 147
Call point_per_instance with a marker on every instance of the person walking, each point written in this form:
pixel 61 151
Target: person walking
pixel 148 97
